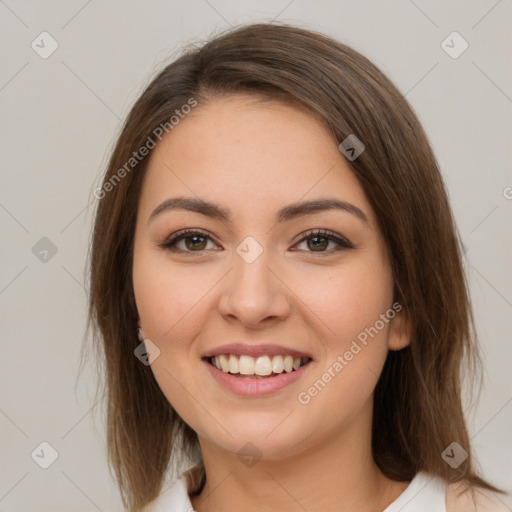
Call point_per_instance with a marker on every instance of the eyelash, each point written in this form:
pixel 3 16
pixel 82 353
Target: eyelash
pixel 169 244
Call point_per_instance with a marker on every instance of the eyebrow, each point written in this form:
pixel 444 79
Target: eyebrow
pixel 286 213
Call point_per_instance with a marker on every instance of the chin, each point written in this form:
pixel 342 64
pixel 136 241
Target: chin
pixel 259 439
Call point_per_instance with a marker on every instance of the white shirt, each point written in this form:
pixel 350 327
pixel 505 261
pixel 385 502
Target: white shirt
pixel 423 494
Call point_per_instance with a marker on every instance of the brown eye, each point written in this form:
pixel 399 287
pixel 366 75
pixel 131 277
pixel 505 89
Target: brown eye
pixel 319 240
pixel 194 241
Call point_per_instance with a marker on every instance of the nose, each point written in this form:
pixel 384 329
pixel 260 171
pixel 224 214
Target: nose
pixel 253 293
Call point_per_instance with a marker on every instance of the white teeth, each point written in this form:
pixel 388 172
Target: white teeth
pixel 277 364
pixel 262 366
pixel 224 363
pixel 233 364
pixel 246 365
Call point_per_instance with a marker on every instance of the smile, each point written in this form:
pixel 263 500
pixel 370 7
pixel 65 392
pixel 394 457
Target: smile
pixel 245 366
pixel 245 379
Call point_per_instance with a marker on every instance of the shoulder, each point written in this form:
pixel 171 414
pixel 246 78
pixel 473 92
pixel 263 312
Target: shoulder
pixel 177 496
pixel 461 497
pixel 173 498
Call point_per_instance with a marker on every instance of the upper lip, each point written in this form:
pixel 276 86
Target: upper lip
pixel 255 350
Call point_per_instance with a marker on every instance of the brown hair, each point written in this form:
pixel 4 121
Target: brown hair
pixel 418 410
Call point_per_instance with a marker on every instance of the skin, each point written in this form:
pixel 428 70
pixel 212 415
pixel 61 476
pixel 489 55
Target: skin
pixel 254 157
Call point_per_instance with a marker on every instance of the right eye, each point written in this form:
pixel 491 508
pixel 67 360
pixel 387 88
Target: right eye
pixel 193 239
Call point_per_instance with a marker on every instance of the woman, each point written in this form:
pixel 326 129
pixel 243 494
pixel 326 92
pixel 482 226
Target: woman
pixel 276 282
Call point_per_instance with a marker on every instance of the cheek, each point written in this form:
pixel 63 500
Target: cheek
pixel 171 301
pixel 350 312
pixel 354 350
pixel 346 300
pixel 168 295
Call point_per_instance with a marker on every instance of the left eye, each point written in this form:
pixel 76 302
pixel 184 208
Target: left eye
pixel 196 242
pixel 320 239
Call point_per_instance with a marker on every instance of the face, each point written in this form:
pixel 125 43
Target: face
pixel 313 284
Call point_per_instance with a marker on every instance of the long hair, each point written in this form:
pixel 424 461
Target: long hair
pixel 418 410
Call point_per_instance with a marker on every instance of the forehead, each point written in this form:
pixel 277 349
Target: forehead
pixel 250 155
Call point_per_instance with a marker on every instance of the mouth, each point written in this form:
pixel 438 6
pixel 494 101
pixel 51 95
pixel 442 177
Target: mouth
pixel 261 367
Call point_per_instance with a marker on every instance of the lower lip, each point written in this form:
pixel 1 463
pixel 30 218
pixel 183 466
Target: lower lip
pixel 255 387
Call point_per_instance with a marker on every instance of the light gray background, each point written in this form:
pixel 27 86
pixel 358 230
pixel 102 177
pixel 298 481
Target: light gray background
pixel 60 116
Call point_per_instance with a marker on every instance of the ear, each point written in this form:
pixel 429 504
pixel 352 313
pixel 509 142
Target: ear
pixel 401 331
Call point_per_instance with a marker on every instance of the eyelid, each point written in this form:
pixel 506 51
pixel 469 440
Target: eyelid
pixel 329 235
pixel 178 236
pixel 342 242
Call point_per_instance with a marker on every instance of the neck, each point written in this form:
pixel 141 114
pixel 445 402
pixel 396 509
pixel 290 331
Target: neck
pixel 336 474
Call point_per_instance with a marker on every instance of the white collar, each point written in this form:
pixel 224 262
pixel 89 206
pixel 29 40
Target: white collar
pixel 425 493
